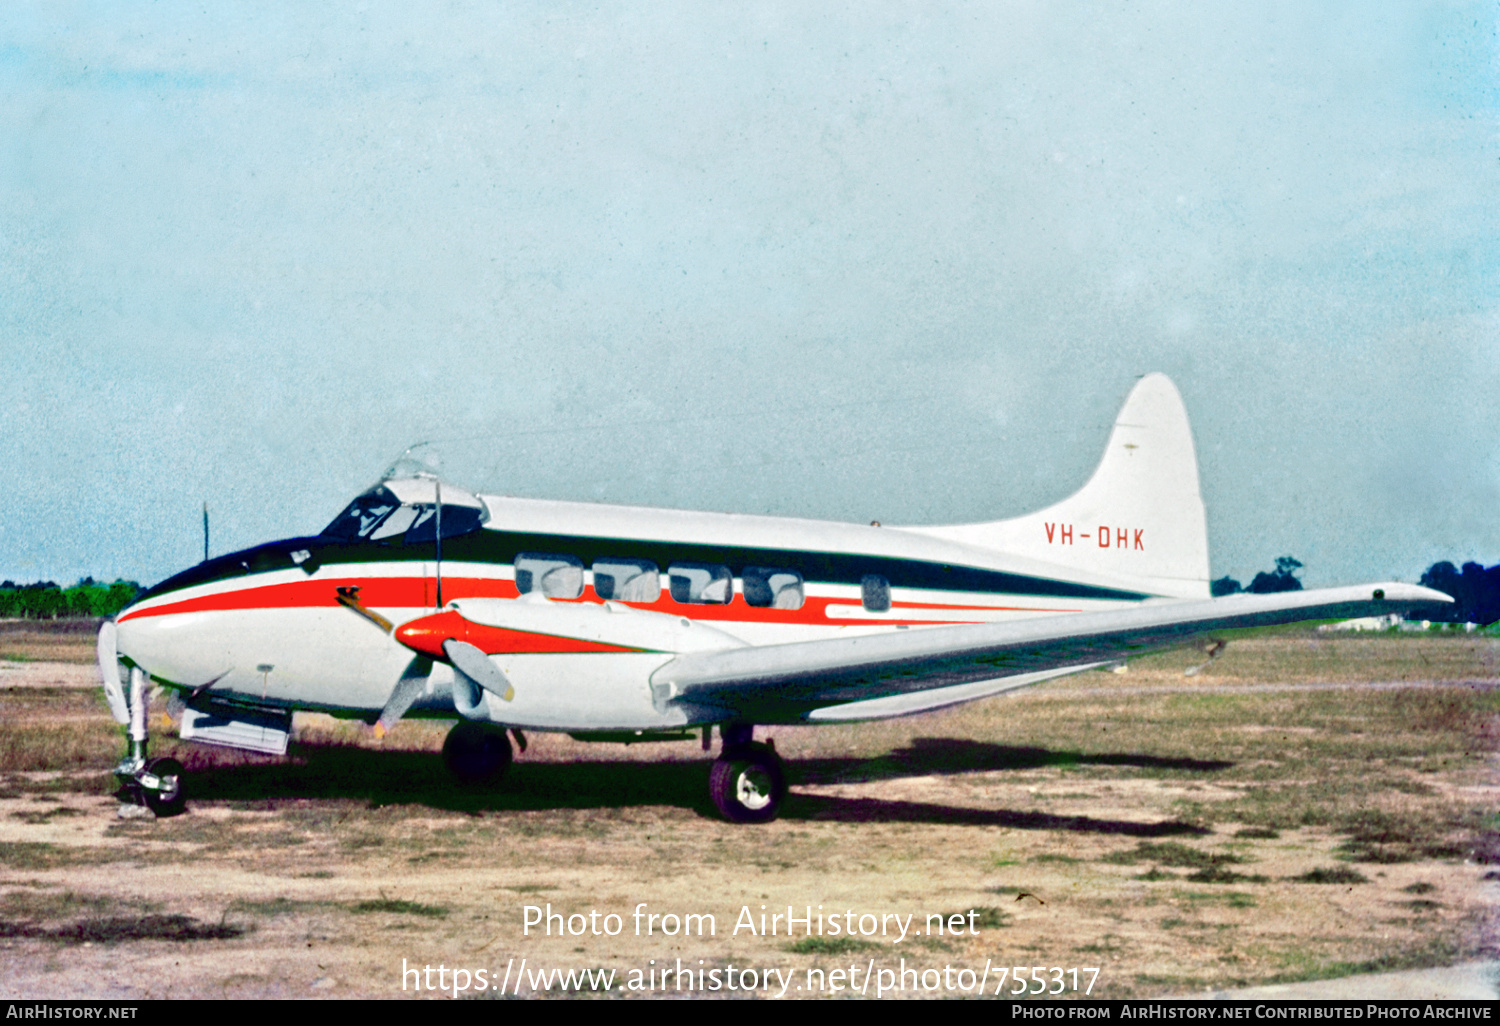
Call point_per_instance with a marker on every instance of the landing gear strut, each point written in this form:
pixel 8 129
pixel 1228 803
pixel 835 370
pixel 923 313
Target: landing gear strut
pixel 154 784
pixel 477 753
pixel 747 781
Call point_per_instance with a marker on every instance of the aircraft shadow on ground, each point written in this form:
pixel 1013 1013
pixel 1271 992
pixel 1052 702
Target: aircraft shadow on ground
pixel 411 778
pixel 929 755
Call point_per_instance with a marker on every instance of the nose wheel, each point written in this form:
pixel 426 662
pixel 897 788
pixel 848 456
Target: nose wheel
pixel 168 798
pixel 155 784
pixel 747 782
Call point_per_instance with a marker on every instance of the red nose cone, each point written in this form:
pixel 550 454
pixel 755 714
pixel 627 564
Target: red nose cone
pixel 426 634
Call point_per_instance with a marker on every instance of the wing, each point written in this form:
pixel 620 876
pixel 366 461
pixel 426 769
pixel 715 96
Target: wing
pixel 906 671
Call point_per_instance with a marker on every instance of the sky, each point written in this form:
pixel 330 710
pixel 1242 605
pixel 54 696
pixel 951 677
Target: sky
pixel 847 261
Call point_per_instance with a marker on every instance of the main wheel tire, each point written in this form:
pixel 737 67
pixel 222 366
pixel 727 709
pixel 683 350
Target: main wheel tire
pixel 477 753
pixel 171 800
pixel 747 783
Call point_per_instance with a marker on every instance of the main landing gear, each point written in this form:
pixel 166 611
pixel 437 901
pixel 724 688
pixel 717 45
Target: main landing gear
pixel 477 753
pixel 747 782
pixel 147 786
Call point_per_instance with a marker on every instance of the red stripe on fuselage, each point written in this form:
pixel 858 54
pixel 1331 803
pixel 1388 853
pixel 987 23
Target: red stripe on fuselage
pixel 418 592
pixel 374 592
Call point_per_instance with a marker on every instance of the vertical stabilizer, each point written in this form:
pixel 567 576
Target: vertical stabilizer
pixel 1140 515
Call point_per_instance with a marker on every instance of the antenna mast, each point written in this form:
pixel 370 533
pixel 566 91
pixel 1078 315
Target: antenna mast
pixel 438 490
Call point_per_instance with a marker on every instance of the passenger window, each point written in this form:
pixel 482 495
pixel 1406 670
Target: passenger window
pixel 700 583
pixel 627 580
pixel 769 587
pixel 559 577
pixel 875 593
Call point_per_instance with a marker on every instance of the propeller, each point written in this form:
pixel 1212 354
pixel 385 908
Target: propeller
pixel 435 637
pixel 109 672
pixel 473 674
pixel 475 669
pixel 407 690
pixel 445 636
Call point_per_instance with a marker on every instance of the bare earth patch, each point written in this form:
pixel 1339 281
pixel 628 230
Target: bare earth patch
pixel 1269 819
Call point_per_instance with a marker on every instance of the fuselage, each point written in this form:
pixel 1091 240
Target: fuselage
pixel 578 603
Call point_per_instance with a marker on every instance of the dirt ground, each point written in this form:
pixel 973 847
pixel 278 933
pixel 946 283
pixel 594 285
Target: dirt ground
pixel 1308 806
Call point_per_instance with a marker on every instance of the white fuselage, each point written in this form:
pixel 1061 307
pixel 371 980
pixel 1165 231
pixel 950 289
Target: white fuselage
pixel 270 630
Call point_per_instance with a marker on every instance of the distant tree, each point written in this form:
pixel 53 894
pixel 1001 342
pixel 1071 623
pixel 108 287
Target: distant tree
pixel 45 603
pixel 121 594
pixel 1225 585
pixel 1284 579
pixel 1475 592
pixel 45 600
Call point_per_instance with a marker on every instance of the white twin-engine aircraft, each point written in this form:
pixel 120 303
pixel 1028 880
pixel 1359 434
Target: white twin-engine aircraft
pixel 627 624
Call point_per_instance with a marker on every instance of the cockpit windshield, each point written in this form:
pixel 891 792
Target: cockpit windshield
pixel 363 515
pixel 406 512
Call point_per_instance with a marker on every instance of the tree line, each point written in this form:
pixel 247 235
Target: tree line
pixel 1475 590
pixel 1283 578
pixel 46 600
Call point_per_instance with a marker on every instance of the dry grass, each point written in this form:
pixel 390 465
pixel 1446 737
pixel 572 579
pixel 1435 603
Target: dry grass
pixel 48 641
pixel 1179 833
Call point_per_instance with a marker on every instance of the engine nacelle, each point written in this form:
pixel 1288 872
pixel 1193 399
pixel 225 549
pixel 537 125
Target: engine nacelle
pixel 468 698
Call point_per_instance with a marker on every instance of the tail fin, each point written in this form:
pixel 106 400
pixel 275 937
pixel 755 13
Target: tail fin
pixel 1140 515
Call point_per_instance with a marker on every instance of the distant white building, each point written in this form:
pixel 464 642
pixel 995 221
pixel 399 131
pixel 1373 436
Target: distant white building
pixel 1365 623
pixel 1383 623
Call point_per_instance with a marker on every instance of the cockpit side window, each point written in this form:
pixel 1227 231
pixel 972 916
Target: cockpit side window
pixel 457 520
pixel 362 516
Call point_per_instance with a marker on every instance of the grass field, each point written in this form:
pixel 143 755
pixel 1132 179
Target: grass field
pixel 1307 806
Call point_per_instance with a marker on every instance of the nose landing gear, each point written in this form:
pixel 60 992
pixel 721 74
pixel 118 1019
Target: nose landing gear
pixel 146 784
pixel 747 781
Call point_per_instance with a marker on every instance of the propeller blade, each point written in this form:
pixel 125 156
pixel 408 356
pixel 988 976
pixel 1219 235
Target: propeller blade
pixel 477 668
pixel 109 672
pixel 407 690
